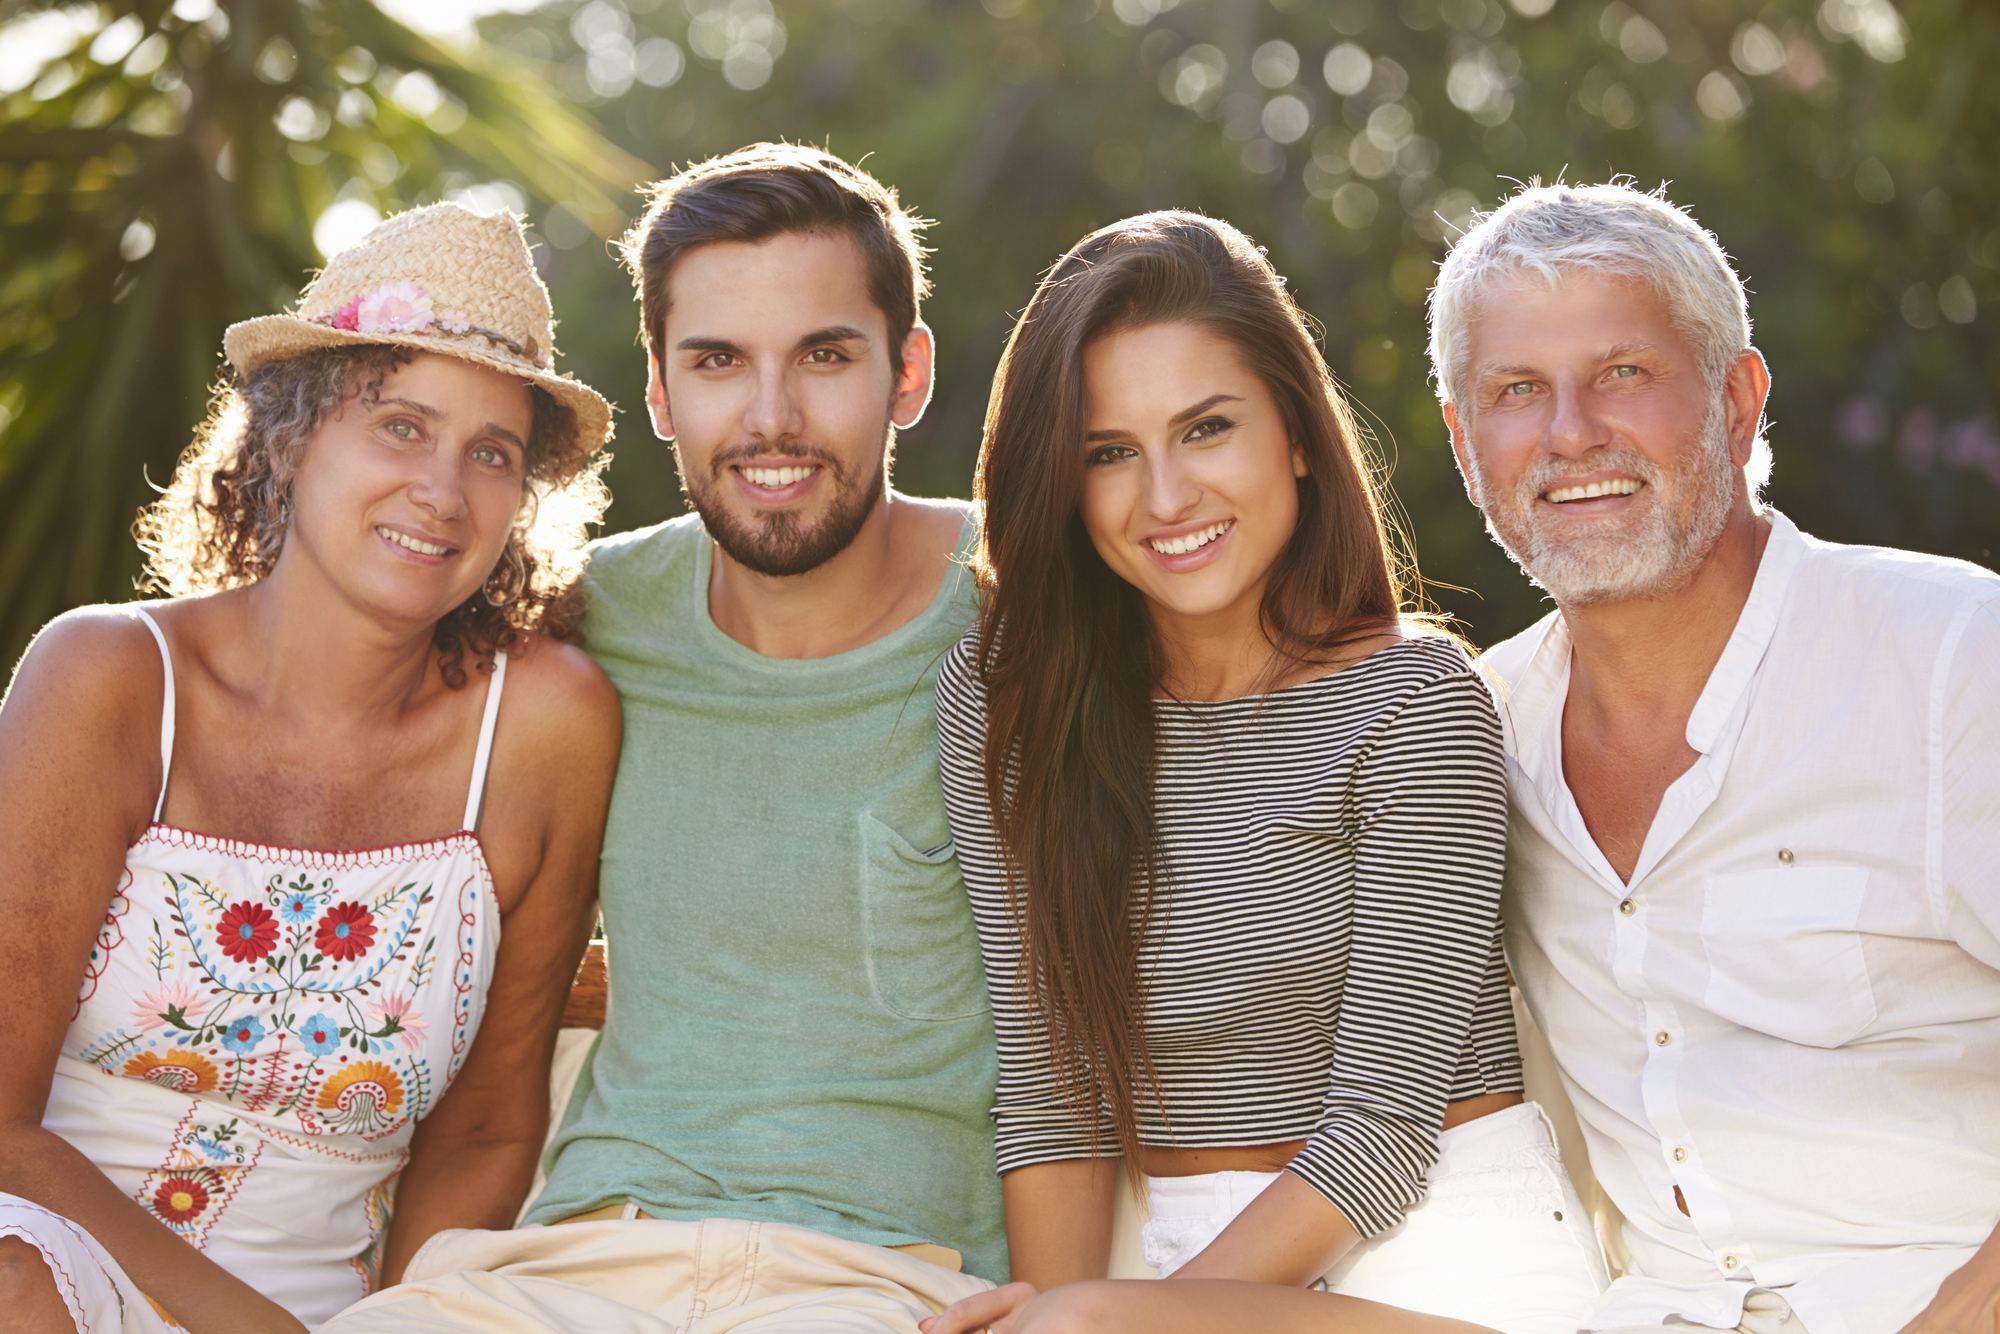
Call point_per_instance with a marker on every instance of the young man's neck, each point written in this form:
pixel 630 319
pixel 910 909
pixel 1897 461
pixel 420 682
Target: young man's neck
pixel 877 584
pixel 1645 661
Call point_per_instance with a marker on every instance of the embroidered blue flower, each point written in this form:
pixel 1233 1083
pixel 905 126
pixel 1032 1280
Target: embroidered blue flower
pixel 298 908
pixel 243 1035
pixel 320 1034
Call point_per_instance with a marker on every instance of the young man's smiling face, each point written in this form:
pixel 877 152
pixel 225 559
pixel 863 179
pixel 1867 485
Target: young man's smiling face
pixel 776 382
pixel 1605 463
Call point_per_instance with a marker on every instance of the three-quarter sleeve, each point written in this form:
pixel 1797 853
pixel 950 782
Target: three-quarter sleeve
pixel 1427 809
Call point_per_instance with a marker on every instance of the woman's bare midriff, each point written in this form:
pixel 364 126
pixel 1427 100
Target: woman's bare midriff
pixel 1166 1162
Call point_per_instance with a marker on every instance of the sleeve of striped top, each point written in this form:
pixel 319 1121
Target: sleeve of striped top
pixel 1033 1121
pixel 1427 804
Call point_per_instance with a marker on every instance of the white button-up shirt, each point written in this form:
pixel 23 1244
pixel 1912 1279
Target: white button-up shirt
pixel 1791 1013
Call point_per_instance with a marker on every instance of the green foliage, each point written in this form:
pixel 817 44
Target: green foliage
pixel 1839 148
pixel 1855 191
pixel 160 180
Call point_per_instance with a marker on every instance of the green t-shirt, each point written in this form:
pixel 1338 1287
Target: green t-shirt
pixel 798 1028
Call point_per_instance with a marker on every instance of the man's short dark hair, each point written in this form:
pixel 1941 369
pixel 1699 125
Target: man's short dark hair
pixel 769 190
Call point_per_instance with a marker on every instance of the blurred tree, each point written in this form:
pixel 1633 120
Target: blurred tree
pixel 163 168
pixel 1840 148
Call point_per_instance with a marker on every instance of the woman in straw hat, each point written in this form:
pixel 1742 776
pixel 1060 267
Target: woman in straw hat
pixel 251 936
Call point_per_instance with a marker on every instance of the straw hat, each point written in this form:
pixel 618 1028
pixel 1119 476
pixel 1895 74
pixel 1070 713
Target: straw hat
pixel 438 279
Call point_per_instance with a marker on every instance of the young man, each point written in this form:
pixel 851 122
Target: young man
pixel 784 1125
pixel 1753 890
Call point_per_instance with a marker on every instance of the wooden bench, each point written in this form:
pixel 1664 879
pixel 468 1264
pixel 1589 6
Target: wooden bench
pixel 586 994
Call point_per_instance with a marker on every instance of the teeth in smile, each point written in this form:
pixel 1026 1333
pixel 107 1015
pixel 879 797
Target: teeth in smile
pixel 405 540
pixel 1621 486
pixel 773 478
pixel 1186 542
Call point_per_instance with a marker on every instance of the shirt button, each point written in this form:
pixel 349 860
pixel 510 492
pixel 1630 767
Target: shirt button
pixel 1663 1037
pixel 1785 856
pixel 1680 1155
pixel 1730 1262
pixel 1627 907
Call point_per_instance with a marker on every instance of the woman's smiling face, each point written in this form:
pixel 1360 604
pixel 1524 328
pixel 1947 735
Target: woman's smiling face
pixel 405 498
pixel 1189 490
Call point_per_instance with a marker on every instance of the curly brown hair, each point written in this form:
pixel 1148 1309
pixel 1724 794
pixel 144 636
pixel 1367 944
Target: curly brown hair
pixel 221 522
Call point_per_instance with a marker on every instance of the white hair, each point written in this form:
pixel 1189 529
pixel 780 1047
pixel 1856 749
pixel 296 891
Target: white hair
pixel 1547 231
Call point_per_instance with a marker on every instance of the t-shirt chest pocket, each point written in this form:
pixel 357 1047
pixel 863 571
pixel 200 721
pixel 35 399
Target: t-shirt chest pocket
pixel 923 948
pixel 1784 954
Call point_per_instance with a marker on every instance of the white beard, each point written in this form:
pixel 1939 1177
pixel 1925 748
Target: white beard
pixel 1649 551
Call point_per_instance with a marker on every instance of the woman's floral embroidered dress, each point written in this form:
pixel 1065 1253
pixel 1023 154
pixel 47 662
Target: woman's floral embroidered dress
pixel 258 1032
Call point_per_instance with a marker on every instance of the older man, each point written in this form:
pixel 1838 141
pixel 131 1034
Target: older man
pixel 1754 880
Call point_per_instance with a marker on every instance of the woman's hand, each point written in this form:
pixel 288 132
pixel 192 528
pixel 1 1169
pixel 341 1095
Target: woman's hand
pixel 1289 1235
pixel 992 1310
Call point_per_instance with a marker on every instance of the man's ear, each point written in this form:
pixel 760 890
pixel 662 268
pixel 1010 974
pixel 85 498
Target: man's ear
pixel 1461 449
pixel 1744 390
pixel 656 400
pixel 915 379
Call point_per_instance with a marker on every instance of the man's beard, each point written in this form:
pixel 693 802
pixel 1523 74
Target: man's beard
pixel 775 543
pixel 1650 554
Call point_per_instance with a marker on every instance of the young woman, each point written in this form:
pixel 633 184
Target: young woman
pixel 290 854
pixel 1234 829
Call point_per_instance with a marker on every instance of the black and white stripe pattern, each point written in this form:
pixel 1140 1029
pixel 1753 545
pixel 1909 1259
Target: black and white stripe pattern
pixel 1325 962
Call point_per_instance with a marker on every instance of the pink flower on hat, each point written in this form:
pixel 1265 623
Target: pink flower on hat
pixel 395 307
pixel 347 317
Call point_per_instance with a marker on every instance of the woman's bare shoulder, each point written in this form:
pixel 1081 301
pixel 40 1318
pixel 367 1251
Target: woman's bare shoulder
pixel 558 691
pixel 97 656
pixel 82 714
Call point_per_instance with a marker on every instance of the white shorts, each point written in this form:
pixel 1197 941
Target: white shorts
pixel 1499 1239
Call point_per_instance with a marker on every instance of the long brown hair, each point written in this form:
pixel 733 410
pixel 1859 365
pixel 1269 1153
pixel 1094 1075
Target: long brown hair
pixel 1068 654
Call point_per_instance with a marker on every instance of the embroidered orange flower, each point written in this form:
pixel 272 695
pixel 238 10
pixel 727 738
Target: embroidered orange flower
pixel 346 931
pixel 180 1200
pixel 247 932
pixel 363 1097
pixel 181 1071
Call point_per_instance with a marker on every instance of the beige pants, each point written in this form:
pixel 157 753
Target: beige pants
pixel 1764 1312
pixel 650 1276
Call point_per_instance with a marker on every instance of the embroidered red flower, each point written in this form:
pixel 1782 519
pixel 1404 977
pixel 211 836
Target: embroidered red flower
pixel 180 1200
pixel 346 932
pixel 248 932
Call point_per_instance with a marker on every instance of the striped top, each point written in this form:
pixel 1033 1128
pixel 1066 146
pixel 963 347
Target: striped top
pixel 1325 959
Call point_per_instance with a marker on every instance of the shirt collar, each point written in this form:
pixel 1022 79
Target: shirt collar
pixel 1751 639
pixel 1534 704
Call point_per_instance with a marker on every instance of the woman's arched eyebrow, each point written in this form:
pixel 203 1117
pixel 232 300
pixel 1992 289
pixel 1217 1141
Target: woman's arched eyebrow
pixel 1181 418
pixel 411 404
pixel 1188 414
pixel 426 411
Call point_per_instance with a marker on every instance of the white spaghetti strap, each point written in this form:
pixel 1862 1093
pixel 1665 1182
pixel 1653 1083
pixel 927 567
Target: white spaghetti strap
pixel 166 711
pixel 484 754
